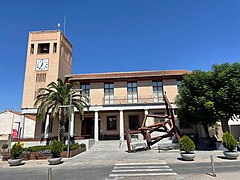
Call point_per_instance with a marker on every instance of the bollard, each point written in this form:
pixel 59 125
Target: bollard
pixel 213 167
pixel 50 174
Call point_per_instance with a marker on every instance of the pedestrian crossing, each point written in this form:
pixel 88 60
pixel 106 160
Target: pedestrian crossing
pixel 143 169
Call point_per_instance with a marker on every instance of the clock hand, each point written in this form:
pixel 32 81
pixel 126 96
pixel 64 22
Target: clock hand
pixel 41 65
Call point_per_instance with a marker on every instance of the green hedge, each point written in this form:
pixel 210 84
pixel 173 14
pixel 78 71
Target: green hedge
pixel 47 147
pixel 37 148
pixel 74 146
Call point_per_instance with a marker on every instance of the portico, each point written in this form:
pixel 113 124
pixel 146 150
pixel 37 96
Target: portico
pixel 112 122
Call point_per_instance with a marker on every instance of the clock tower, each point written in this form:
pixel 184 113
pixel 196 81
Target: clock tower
pixel 49 57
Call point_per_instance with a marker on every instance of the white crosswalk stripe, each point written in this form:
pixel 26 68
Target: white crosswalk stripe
pixel 130 169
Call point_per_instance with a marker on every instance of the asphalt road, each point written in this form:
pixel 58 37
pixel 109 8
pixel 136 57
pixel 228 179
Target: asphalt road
pixel 105 161
pixel 101 172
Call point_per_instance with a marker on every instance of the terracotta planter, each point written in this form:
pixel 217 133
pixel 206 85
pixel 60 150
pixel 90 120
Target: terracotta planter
pixel 54 161
pixel 230 155
pixel 188 156
pixel 14 162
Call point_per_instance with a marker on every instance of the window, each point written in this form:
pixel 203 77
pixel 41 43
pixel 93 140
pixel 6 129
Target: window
pixel 157 91
pixel 109 93
pixel 54 47
pixel 43 48
pixel 41 77
pixel 132 92
pixel 85 90
pixel 179 83
pixel 112 123
pixel 32 49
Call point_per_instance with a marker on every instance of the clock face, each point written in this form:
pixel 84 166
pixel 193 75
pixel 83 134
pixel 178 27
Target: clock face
pixel 42 65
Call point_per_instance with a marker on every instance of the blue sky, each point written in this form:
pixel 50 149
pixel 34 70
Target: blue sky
pixel 120 35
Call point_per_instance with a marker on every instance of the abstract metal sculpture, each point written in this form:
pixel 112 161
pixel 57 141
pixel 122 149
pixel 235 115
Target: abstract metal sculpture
pixel 168 127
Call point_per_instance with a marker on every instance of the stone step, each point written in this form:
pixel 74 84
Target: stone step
pixel 106 146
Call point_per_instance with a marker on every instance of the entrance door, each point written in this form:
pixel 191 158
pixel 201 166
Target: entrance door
pixel 133 122
pixel 88 127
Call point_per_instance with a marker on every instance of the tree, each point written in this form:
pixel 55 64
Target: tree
pixel 225 85
pixel 194 101
pixel 57 94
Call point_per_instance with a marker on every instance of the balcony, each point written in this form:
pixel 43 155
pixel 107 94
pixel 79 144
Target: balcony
pixel 138 100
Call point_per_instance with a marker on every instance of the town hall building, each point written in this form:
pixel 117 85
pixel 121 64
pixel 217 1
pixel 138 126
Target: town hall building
pixel 118 100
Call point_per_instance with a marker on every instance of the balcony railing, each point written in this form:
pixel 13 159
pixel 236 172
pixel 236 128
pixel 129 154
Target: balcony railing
pixel 139 100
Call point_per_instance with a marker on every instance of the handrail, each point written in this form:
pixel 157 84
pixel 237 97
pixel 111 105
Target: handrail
pixel 138 100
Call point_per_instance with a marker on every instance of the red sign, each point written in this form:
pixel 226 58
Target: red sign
pixel 14 133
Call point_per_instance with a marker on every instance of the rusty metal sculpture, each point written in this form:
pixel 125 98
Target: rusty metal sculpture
pixel 168 127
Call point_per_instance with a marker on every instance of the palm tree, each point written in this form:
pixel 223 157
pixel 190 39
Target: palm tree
pixel 54 100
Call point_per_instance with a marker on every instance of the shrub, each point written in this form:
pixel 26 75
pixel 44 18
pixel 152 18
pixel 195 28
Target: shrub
pixel 229 141
pixel 186 144
pixel 56 148
pixel 65 147
pixel 82 145
pixel 4 146
pixel 37 148
pixel 16 150
pixel 74 146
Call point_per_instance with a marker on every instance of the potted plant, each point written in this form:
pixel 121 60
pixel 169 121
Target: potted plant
pixel 187 148
pixel 16 152
pixel 56 148
pixel 230 143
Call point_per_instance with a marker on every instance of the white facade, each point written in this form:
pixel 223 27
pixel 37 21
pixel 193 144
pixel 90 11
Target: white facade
pixel 14 120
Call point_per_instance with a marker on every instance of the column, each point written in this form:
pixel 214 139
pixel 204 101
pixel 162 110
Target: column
pixel 121 125
pixel 146 113
pixel 46 127
pixel 72 125
pixel 23 125
pixel 96 126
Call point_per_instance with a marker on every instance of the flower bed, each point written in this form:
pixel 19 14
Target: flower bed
pixel 43 152
pixel 73 152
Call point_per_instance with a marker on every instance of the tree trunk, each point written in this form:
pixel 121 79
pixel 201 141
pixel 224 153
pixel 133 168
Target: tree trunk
pixel 61 122
pixel 205 127
pixel 225 126
pixel 59 129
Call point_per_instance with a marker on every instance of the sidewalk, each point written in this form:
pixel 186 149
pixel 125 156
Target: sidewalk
pixel 99 157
